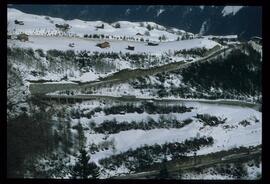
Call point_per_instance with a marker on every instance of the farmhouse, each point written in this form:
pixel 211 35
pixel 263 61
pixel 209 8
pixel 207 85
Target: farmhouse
pixel 100 27
pixel 131 47
pixel 23 37
pixel 139 34
pixel 103 45
pixel 18 22
pixel 152 43
pixel 63 27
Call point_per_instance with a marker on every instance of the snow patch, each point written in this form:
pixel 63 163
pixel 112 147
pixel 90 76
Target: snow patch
pixel 160 11
pixel 203 28
pixel 227 10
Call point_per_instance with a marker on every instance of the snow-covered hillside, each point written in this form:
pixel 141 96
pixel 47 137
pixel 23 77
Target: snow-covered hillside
pixel 226 136
pixel 225 139
pixel 244 21
pixel 44 25
pixel 151 102
pixel 62 43
pixel 43 34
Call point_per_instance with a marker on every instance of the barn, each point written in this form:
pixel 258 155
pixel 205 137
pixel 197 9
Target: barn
pixel 131 47
pixel 152 43
pixel 18 22
pixel 100 27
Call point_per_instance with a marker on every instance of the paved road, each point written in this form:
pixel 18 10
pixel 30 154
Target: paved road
pixel 74 98
pixel 176 165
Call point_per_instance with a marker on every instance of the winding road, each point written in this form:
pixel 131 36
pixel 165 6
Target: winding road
pixel 79 98
pixel 123 75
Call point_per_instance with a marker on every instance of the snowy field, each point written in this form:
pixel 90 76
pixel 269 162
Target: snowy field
pixel 81 44
pixel 44 34
pixel 44 25
pixel 224 139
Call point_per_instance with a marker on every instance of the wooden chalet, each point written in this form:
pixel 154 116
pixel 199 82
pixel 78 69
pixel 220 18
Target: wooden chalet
pixel 100 27
pixel 152 44
pixel 131 47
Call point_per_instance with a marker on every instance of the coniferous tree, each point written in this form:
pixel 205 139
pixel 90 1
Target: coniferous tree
pixel 94 170
pixel 163 173
pixel 81 136
pixel 83 169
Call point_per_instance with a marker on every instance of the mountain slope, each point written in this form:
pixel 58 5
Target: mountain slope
pixel 244 21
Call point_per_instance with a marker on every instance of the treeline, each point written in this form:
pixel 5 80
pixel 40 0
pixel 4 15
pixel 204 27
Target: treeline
pixel 193 52
pixel 144 157
pixel 104 145
pixel 37 67
pixel 140 83
pixel 27 137
pixel 112 126
pixel 237 76
pixel 20 53
pixel 58 166
pixel 87 60
pixel 245 123
pixel 239 71
pixel 80 60
pixel 34 137
pixel 91 59
pixel 183 90
pixel 102 36
pixel 210 120
pixel 147 107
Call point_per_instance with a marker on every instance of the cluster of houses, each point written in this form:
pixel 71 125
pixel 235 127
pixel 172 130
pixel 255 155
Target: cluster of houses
pixel 24 37
pixel 130 47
